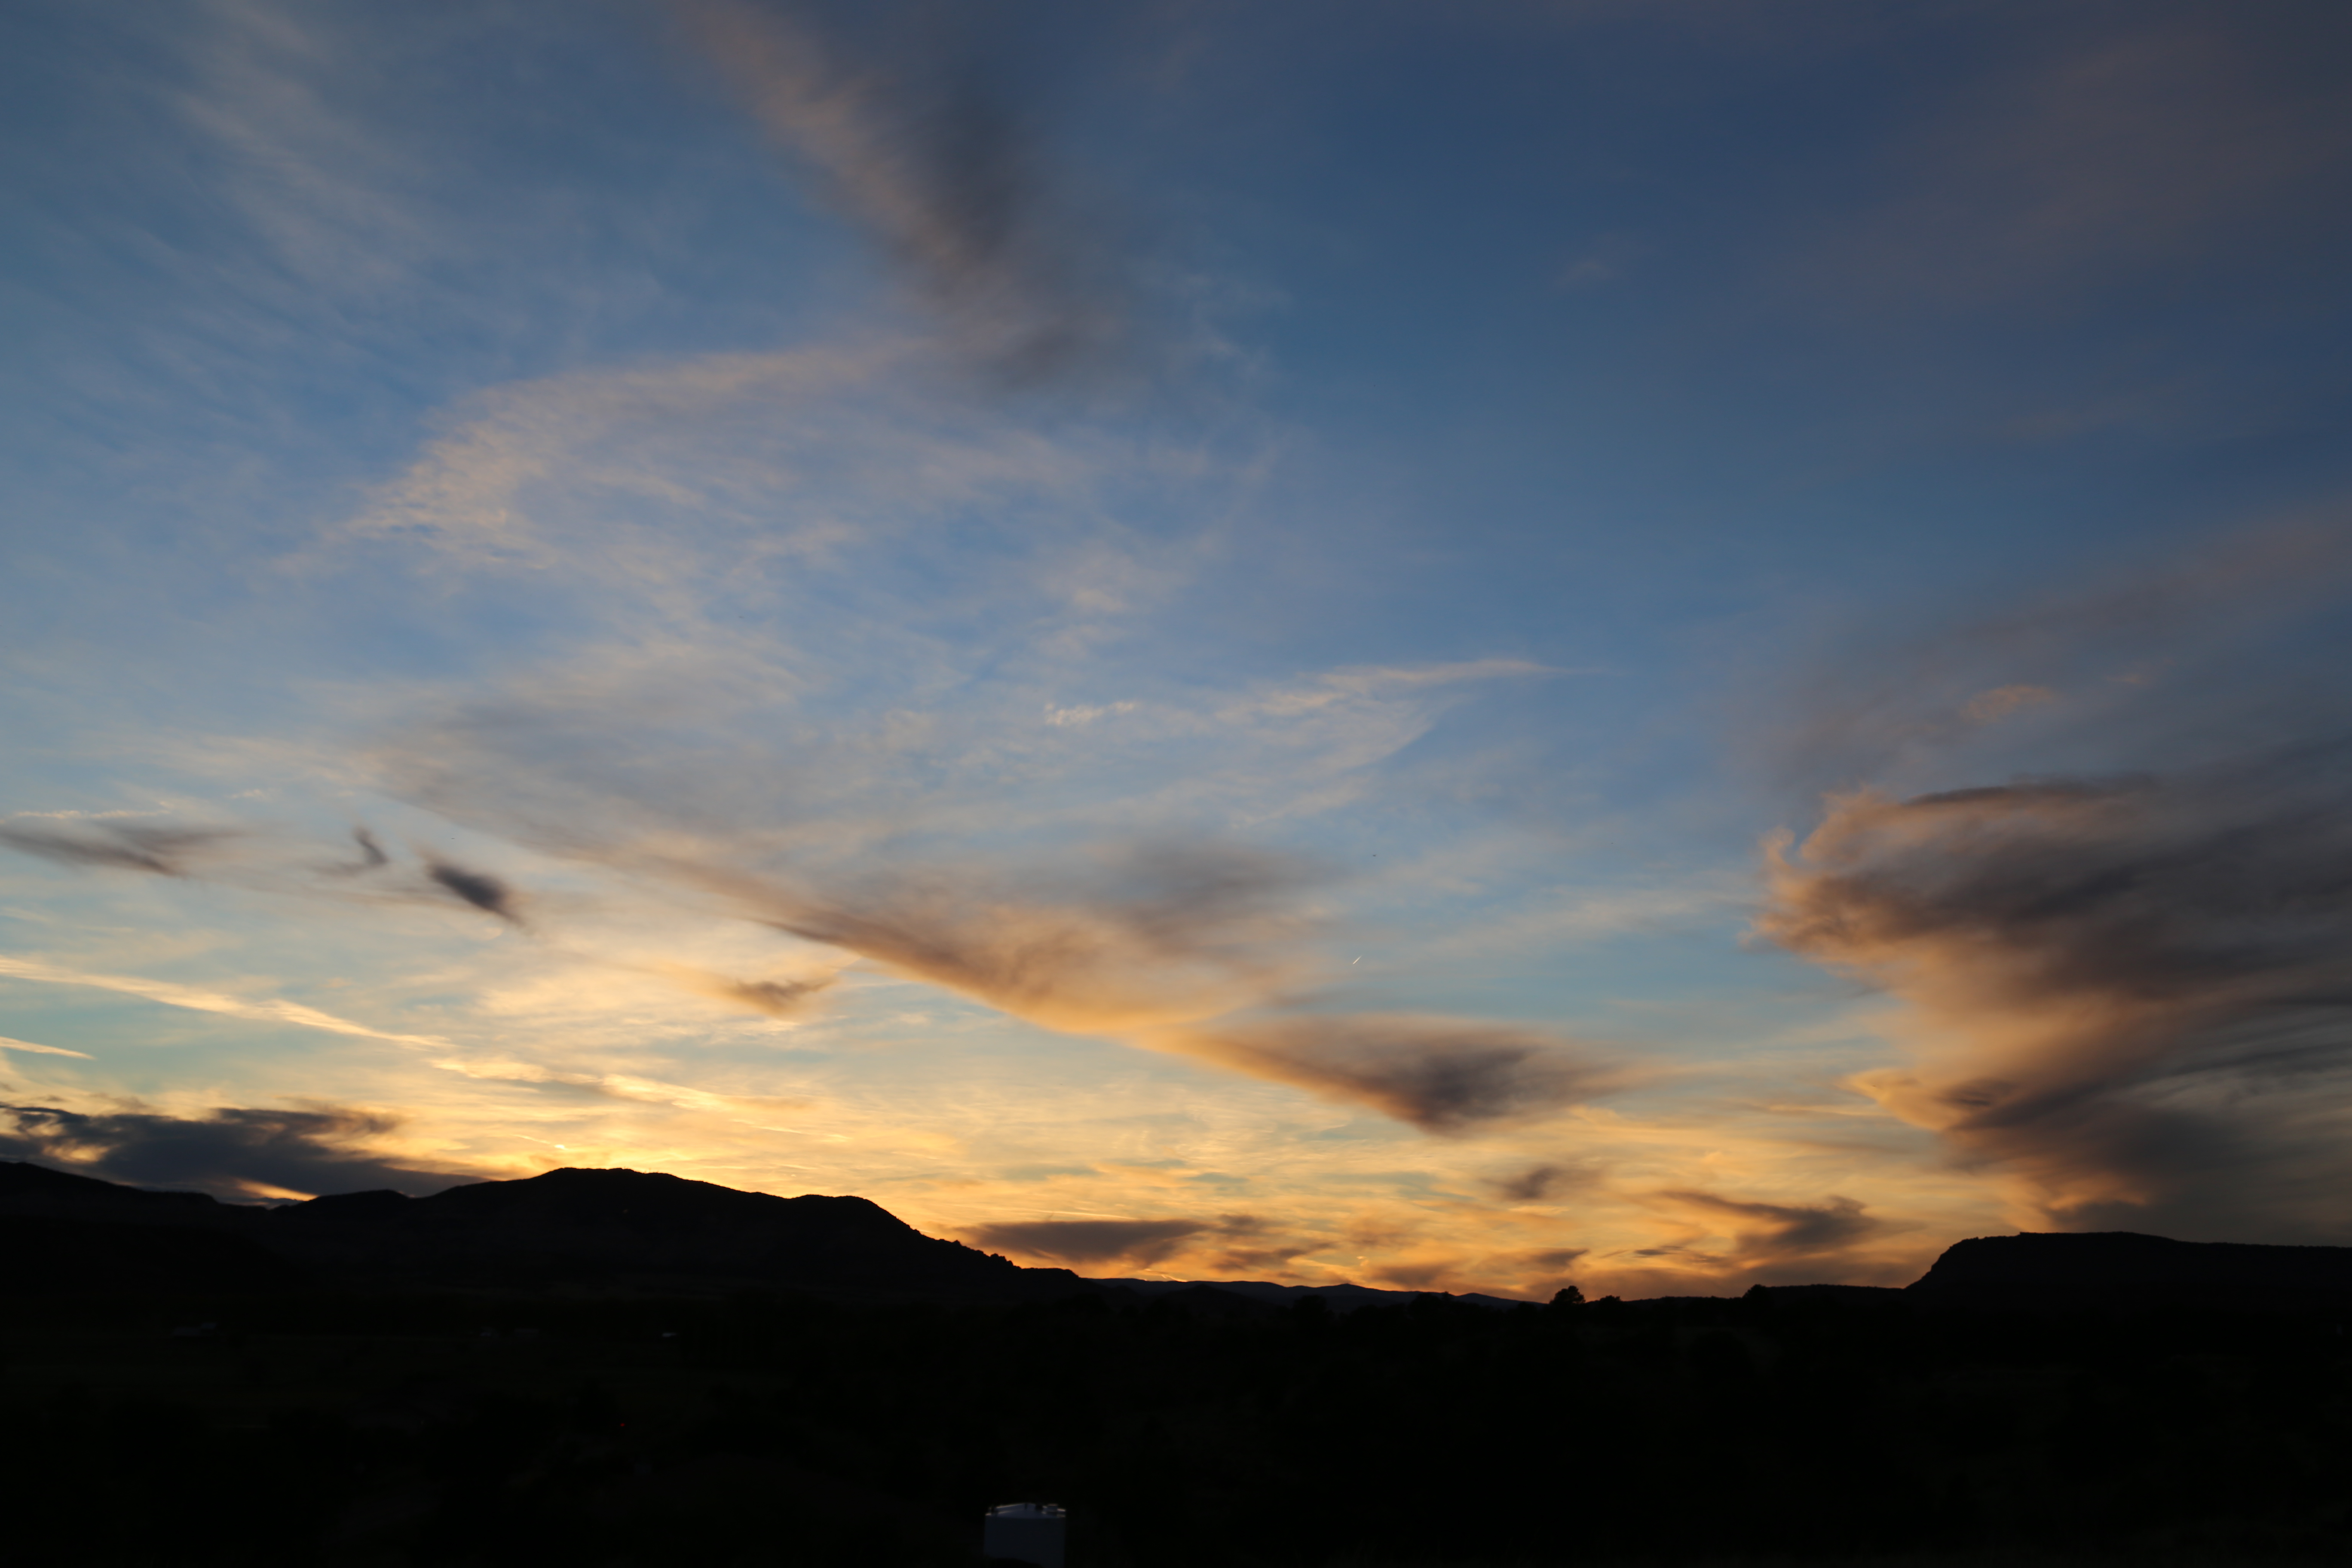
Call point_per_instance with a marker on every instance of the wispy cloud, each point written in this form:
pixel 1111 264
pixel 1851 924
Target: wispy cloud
pixel 1782 1235
pixel 163 849
pixel 2139 144
pixel 911 136
pixel 267 859
pixel 777 998
pixel 570 471
pixel 1148 944
pixel 618 1084
pixel 272 1010
pixel 780 507
pixel 1343 686
pixel 919 845
pixel 2079 668
pixel 1442 1075
pixel 8 1044
pixel 1090 1243
pixel 1537 1182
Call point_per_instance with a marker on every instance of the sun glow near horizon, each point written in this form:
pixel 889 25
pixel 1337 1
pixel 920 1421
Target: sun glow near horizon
pixel 1674 658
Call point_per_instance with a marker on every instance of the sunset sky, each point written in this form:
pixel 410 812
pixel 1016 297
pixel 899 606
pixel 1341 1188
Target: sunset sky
pixel 1653 643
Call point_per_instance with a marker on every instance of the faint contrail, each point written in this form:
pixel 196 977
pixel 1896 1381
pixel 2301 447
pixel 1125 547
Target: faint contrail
pixel 273 1011
pixel 8 1044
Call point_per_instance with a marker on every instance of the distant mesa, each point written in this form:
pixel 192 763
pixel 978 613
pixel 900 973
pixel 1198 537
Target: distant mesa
pixel 2123 1270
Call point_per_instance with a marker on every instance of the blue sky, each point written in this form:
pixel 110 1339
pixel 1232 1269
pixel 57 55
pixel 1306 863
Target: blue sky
pixel 1180 636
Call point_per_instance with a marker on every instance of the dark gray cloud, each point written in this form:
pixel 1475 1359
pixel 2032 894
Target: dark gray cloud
pixel 1546 1260
pixel 1784 1233
pixel 1442 1075
pixel 2229 887
pixel 1258 1260
pixel 912 129
pixel 1223 1246
pixel 1540 1182
pixel 229 1152
pixel 1773 1243
pixel 166 851
pixel 479 889
pixel 1085 1242
pixel 2146 983
pixel 777 998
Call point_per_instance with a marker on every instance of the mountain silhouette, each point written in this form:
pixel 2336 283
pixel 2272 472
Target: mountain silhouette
pixel 644 1229
pixel 620 1229
pixel 36 1190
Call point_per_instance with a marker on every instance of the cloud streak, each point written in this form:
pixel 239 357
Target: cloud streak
pixel 165 851
pixel 196 999
pixel 1781 1234
pixel 1537 1182
pixel 1160 934
pixel 776 998
pixel 1158 947
pixel 915 142
pixel 1449 1076
pixel 436 878
pixel 1085 1243
pixel 9 1045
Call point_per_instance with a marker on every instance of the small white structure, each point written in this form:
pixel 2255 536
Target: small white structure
pixel 1025 1532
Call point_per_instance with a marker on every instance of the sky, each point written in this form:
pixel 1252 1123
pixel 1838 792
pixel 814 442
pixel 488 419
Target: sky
pixel 1657 645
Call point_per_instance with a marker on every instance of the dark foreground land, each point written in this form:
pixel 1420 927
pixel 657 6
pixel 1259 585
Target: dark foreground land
pixel 312 1416
pixel 509 1431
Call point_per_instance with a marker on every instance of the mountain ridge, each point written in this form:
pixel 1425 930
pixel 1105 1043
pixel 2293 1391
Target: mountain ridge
pixel 611 1228
pixel 650 1232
